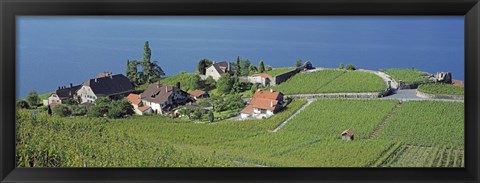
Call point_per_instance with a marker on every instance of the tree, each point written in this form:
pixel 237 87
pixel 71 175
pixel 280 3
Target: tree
pixel 61 110
pixel 238 69
pixel 224 84
pixel 298 63
pixel 211 117
pixel 341 66
pixel 237 85
pixel 22 104
pixel 202 66
pixel 71 101
pixel 147 53
pixel 268 68
pixel 210 83
pixel 33 99
pixel 253 88
pixel 252 69
pixel 234 101
pixel 261 66
pixel 350 67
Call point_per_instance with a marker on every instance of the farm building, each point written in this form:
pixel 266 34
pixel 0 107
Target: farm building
pixel 263 104
pixel 197 94
pixel 217 69
pixel 162 98
pixel 106 85
pixel 348 135
pixel 63 93
pixel 262 79
pixel 137 104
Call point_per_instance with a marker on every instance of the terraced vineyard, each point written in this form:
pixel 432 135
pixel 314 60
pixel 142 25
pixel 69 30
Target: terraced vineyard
pixel 429 123
pixel 429 134
pixel 407 75
pixel 332 81
pixel 446 89
pixel 420 156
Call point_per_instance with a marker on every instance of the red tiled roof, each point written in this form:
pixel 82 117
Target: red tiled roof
pixel 266 94
pixel 144 108
pixel 197 93
pixel 458 83
pixel 87 104
pixel 53 104
pixel 247 110
pixel 134 98
pixel 265 75
pixel 263 103
pixel 348 132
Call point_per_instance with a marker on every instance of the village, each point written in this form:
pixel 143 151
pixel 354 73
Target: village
pixel 225 100
pixel 171 100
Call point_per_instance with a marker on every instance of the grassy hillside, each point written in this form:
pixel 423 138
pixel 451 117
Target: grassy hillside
pixel 332 81
pixel 312 138
pixel 407 75
pixel 446 89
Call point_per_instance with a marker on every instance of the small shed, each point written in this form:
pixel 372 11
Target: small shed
pixel 348 135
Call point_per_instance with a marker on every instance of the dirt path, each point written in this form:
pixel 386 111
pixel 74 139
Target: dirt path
pixel 379 128
pixel 309 101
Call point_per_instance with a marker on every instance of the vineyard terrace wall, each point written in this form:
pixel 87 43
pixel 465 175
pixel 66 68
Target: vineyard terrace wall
pixel 404 86
pixel 337 95
pixel 284 77
pixel 439 96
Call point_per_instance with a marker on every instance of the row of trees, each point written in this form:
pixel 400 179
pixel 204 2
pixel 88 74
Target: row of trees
pixel 103 107
pixel 347 67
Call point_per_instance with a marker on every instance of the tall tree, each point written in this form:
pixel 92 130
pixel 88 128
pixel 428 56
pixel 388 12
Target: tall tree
pixel 202 66
pixel 147 53
pixel 261 66
pixel 238 69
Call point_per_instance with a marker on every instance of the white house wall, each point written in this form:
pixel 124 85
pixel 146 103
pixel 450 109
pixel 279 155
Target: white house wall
pixel 211 71
pixel 86 94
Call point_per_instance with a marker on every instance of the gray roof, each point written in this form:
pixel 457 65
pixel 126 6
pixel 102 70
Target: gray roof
pixel 67 93
pixel 159 93
pixel 110 85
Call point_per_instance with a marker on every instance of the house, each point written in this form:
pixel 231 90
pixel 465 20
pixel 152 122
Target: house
pixel 162 98
pixel 63 93
pixel 137 104
pixel 106 85
pixel 197 94
pixel 264 103
pixel 217 69
pixel 262 79
pixel 458 83
pixel 348 135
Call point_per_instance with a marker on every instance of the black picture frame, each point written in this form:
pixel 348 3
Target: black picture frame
pixel 9 9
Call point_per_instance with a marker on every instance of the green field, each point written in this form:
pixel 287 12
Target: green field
pixel 332 81
pixel 427 123
pixel 310 139
pixel 407 75
pixel 446 89
pixel 280 70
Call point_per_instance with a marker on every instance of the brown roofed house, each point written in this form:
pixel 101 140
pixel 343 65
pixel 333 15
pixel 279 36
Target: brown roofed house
pixel 217 69
pixel 197 94
pixel 162 98
pixel 263 104
pixel 63 93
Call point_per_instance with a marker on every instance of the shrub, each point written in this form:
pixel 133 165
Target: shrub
pixel 33 99
pixel 79 110
pixel 61 110
pixel 341 66
pixel 22 104
pixel 350 67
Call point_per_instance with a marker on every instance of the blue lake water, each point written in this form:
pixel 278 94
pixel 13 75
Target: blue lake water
pixel 55 50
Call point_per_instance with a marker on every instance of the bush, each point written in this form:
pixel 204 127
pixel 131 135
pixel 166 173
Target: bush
pixel 79 110
pixel 33 99
pixel 268 68
pixel 22 104
pixel 350 67
pixel 61 110
pixel 341 66
pixel 96 111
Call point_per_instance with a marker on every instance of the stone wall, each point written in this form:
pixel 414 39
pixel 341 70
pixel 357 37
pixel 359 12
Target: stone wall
pixel 284 77
pixel 439 96
pixel 403 86
pixel 337 95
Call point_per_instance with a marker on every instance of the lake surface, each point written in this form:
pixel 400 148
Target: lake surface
pixel 55 51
